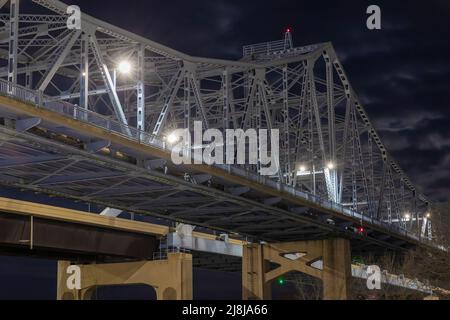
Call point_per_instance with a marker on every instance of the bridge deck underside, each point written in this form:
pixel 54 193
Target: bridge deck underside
pixel 51 162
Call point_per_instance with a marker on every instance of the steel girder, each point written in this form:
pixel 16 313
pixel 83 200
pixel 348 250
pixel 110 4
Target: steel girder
pixel 61 169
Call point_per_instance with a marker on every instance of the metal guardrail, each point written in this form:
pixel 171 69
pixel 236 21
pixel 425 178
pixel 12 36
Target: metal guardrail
pixel 75 112
pixel 275 47
pixel 264 48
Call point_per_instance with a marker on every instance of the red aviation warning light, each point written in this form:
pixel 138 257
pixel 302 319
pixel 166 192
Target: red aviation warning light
pixel 288 44
pixel 361 230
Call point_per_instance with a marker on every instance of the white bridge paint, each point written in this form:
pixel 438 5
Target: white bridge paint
pixel 183 238
pixel 111 212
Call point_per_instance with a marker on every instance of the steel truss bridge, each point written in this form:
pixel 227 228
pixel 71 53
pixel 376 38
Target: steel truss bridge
pixel 71 126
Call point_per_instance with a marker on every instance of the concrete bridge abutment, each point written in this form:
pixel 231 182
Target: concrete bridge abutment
pixel 301 256
pixel 171 278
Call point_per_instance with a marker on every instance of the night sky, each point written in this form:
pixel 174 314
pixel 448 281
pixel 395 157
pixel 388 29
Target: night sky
pixel 401 73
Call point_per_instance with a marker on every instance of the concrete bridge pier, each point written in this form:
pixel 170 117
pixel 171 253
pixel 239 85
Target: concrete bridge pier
pixel 328 260
pixel 171 278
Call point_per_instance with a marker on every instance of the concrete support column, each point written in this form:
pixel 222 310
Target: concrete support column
pixel 171 278
pixel 336 269
pixel 254 268
pixel 62 292
pixel 297 256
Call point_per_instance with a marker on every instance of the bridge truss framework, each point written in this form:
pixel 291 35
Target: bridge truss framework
pixel 330 153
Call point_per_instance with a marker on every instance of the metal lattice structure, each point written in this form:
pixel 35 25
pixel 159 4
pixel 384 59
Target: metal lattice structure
pixel 329 148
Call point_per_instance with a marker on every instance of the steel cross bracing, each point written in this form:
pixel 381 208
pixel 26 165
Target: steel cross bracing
pixel 329 148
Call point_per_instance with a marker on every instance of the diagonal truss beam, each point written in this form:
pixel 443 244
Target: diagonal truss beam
pixel 109 83
pixel 60 57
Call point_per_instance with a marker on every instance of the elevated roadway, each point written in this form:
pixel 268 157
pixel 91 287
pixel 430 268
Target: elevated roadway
pixel 66 151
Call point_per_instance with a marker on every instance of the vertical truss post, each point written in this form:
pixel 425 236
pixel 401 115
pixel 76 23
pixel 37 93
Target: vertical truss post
pixel 389 198
pixel 395 205
pixel 405 205
pixel 256 119
pixel 353 153
pixel 331 116
pixel 348 95
pixel 263 102
pixel 331 129
pixel 250 97
pixel 140 90
pixel 416 214
pixel 345 142
pixel 187 103
pixel 430 230
pixel 29 79
pixel 361 160
pixel 302 112
pixel 258 107
pixel 226 98
pixel 424 227
pixel 195 85
pixel 84 74
pixel 287 148
pixel 311 138
pixel 13 42
pixel 316 113
pixel 382 186
pixel 262 87
pixel 372 176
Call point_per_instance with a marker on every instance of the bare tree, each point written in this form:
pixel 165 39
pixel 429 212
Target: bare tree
pixel 429 265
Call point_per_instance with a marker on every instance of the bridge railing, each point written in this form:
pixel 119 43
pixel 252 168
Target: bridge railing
pixel 274 48
pixel 75 112
pixel 264 48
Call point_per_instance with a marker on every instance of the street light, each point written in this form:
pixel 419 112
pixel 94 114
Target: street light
pixel 124 67
pixel 172 138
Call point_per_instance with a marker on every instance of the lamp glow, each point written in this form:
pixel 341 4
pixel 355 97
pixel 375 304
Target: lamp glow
pixel 172 138
pixel 330 165
pixel 124 67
